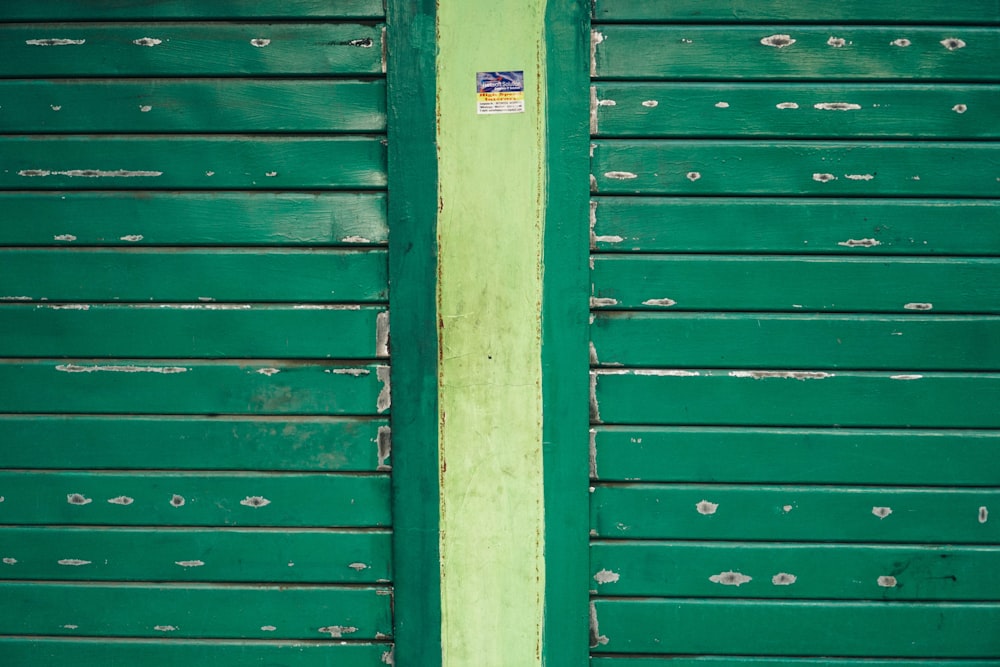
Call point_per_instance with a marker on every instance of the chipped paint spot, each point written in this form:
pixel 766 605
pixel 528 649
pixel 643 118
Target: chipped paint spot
pixel 881 512
pixel 593 454
pixel 383 445
pixel 260 42
pixel 887 581
pixel 89 173
pixel 595 409
pixel 73 562
pixel 338 631
pixel 593 181
pixel 919 306
pixel 602 302
pixel 55 42
pixel 70 627
pixel 902 42
pixel 596 638
pixel 268 371
pixel 778 41
pixel 164 628
pixel 255 501
pixel 268 628
pixel 316 306
pixel 384 400
pixel 355 239
pixel 783 579
pixel 271 174
pixel 55 107
pixel 608 239
pixel 382 334
pixel 388 657
pixel 606 103
pixel 145 108
pixel 784 375
pixel 163 370
pixel 859 177
pixel 836 42
pixel 860 243
pixel 177 501
pixel 78 499
pixel 730 578
pixel 593 115
pixel 984 514
pixel 837 106
pixel 620 175
pixel 9 561
pixel 68 306
pixel 15 298
pixel 147 41
pixel 685 40
pixel 358 567
pixel 706 507
pixel 121 500
pixel 722 105
pixel 693 176
pixel 355 372
pixel 952 43
pixel 365 43
pixel 606 577
pixel 824 178
pixel 210 173
pixel 651 104
pixel 960 108
pixel 787 508
pixel 915 178
pixel 64 237
pixel 905 377
pixel 189 563
pixel 132 238
pixel 665 303
pixel 595 39
pixel 787 105
pixel 664 372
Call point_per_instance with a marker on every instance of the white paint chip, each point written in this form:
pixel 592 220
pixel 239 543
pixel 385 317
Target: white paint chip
pixel 70 626
pixel 778 41
pixel 651 104
pixel 268 371
pixel 902 42
pixel 602 302
pixel 787 508
pixel 620 175
pixel 384 400
pixel 147 41
pixel 666 372
pixel 121 500
pixel 663 303
pixel 358 567
pixel 787 105
pixel 730 578
pixel 783 579
pixel 918 306
pixel 905 377
pixel 78 499
pixel 722 105
pixel 255 501
pixel 145 108
pixel 55 107
pixel 952 43
pixel 881 512
pixel 271 174
pixel 887 581
pixel 177 501
pixel 9 561
pixel 606 103
pixel 824 178
pixel 984 514
pixel 73 562
pixel 55 41
pixel 132 238
pixel 89 173
pixel 706 507
pixel 960 108
pixel 163 370
pixel 693 176
pixel 860 243
pixel 268 628
pixel 837 106
pixel 190 563
pixel 782 375
pixel 164 628
pixel 64 237
pixel 606 577
pixel 836 42
pixel 260 42
pixel 859 177
pixel 355 239
pixel 338 631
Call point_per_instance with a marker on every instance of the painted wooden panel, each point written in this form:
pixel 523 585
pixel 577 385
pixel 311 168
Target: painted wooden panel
pixel 796 168
pixel 202 105
pixel 752 661
pixel 193 499
pixel 189 49
pixel 796 225
pixel 188 9
pixel 779 283
pixel 234 555
pixel 207 162
pixel 318 444
pixel 794 513
pixel 770 52
pixel 786 455
pixel 193 218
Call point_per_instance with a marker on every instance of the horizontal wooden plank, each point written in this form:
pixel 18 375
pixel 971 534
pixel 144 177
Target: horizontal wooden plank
pixel 190 49
pixel 755 661
pixel 796 168
pixel 193 499
pixel 232 555
pixel 794 513
pixel 193 387
pixel 782 283
pixel 768 340
pixel 62 10
pixel 201 105
pixel 319 444
pixel 203 331
pixel 804 571
pixel 193 275
pixel 793 110
pixel 793 225
pixel 782 455
pixel 193 218
pixel 875 629
pixel 796 398
pixel 186 162
pixel 795 52
pixel 252 612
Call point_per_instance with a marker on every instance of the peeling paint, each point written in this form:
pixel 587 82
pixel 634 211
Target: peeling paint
pixel 68 306
pixel 145 108
pixel 354 372
pixel 189 563
pixel 64 237
pixel 783 579
pixel 255 501
pixel 596 638
pixel 260 42
pixel 131 238
pixel 382 334
pixel 355 239
pixel 859 177
pixel 602 302
pixel 338 631
pixel 358 567
pixel 664 372
pixel 595 39
pixel 55 41
pixel 918 306
pixel 593 454
pixel 70 627
pixel 164 628
pixel 693 176
pixel 722 105
pixel 664 303
pixel 787 508
pixel 960 108
pixel 837 106
pixel 606 577
pixel 984 514
pixel 881 512
pixel 730 578
pixel 608 239
pixel 383 445
pixel 384 400
pixel 389 657
pixel 121 500
pixel 651 104
pixel 268 628
pixel 89 173
pixel 163 370
pixel 836 42
pixel 55 107
pixel 316 306
pixel 364 42
pixel 15 298
pixel 902 42
pixel 860 243
pixel 620 175
pixel 593 115
pixel 785 375
pixel 824 178
pixel 952 43
pixel 78 499
pixel 905 377
pixel 9 561
pixel 595 409
pixel 147 41
pixel 706 507
pixel 177 501
pixel 606 103
pixel 787 105
pixel 778 41
pixel 887 581
pixel 271 174
pixel 73 562
pixel 268 371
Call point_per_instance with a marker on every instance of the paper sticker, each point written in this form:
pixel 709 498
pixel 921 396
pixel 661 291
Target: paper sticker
pixel 500 92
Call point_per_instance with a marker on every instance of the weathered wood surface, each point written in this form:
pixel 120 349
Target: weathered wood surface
pixel 83 10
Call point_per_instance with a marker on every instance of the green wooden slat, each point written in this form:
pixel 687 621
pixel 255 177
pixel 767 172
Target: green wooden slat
pixel 40 10
pixel 896 285
pixel 754 661
pixel 206 105
pixel 776 455
pixel 829 226
pixel 192 275
pixel 876 629
pixel 192 331
pixel 796 168
pixel 794 513
pixel 189 49
pixel 194 611
pixel 234 555
pixel 320 444
pixel 208 162
pixel 766 340
pixel 780 570
pixel 750 110
pixel 797 398
pixel 192 218
pixel 737 52
pixel 192 499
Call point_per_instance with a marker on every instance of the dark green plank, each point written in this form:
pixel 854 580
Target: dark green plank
pixel 796 168
pixel 192 611
pixel 754 661
pixel 767 340
pixel 776 52
pixel 193 499
pixel 203 105
pixel 208 162
pixel 794 513
pixel 319 444
pixel 192 218
pixel 821 110
pixel 773 570
pixel 896 285
pixel 40 10
pixel 189 49
pixel 797 398
pixel 829 226
pixel 232 555
pixel 778 455
pixel 192 275
pixel 876 629
pixel 193 331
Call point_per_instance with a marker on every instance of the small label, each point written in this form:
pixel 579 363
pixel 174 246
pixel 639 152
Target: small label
pixel 500 92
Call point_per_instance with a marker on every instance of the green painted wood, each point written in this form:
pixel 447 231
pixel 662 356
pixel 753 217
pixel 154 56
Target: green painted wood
pixel 193 218
pixel 757 110
pixel 744 52
pixel 40 10
pixel 202 387
pixel 207 162
pixel 784 455
pixel 203 105
pixel 796 168
pixel 232 555
pixel 193 499
pixel 754 661
pixel 801 226
pixel 317 444
pixel 794 513
pixel 190 49
pixel 169 611
pixel 193 331
pixel 794 571
pixel 767 340
pixel 193 275
pixel 875 629
pixel 750 283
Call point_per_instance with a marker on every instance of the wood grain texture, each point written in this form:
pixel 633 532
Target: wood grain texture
pixel 62 10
